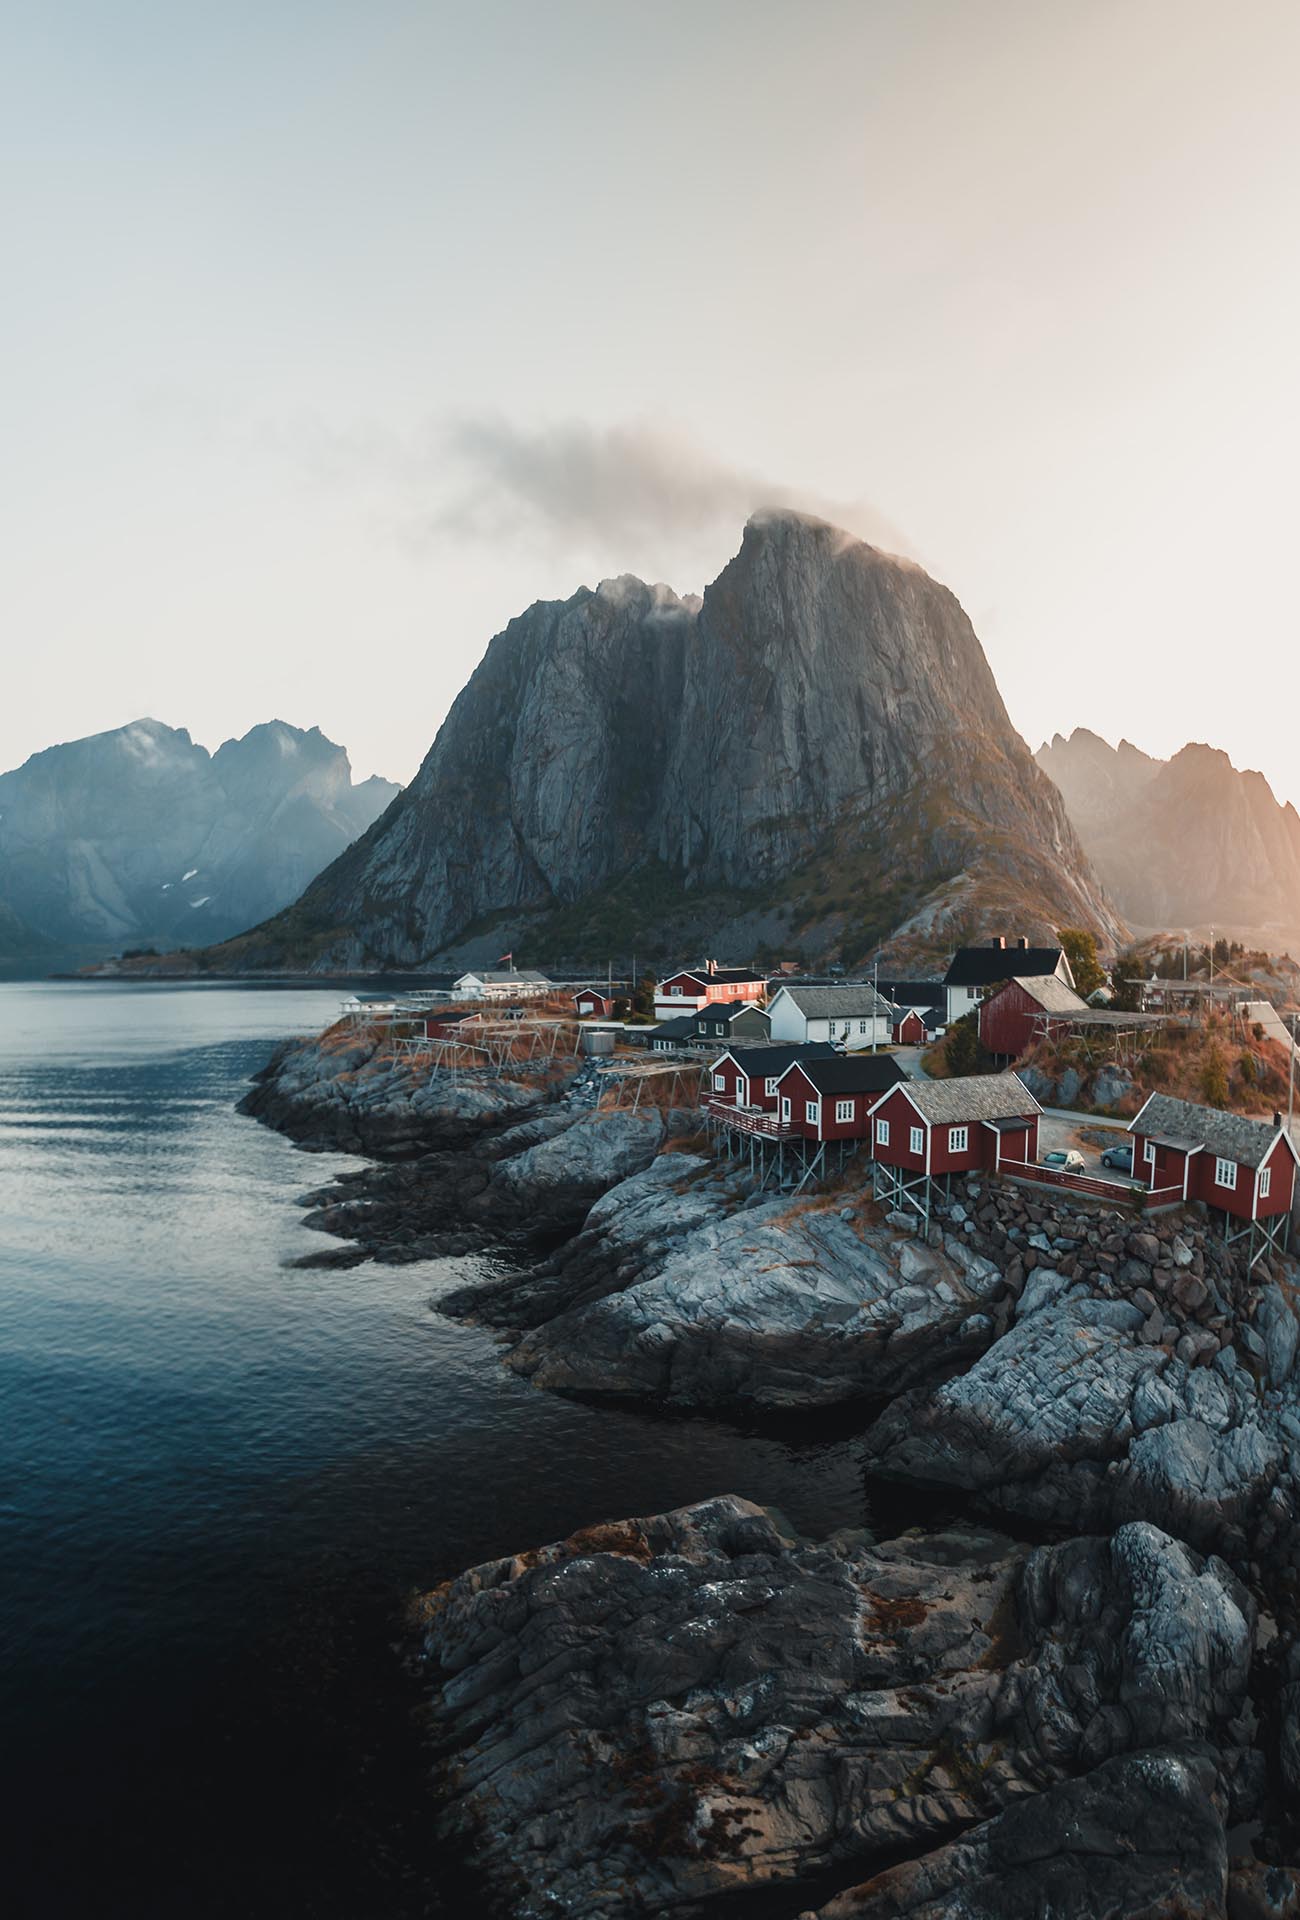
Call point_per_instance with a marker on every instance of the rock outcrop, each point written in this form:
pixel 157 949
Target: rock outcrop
pixel 658 1711
pixel 1138 817
pixel 819 739
pixel 140 837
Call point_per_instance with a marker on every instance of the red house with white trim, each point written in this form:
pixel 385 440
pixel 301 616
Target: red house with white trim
pixel 936 1127
pixel 1023 1011
pixel 593 1003
pixel 748 1076
pixel 832 1098
pixel 908 1029
pixel 1244 1167
pixel 694 987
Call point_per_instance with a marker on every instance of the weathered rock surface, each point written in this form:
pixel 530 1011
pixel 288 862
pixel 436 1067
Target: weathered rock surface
pixel 774 1305
pixel 344 1090
pixel 657 1711
pixel 1141 1837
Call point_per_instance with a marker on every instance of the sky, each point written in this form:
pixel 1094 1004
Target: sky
pixel 335 332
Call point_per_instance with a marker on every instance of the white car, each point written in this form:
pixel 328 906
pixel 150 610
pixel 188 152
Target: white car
pixel 1066 1160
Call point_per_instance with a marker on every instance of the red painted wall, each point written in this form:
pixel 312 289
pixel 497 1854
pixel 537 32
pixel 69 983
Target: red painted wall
pixel 1007 1021
pixel 910 1030
pixel 902 1116
pixel 798 1089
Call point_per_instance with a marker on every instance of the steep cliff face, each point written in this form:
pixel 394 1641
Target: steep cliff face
pixel 1189 841
pixel 818 747
pixel 138 836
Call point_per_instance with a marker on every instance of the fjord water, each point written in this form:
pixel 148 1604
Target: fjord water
pixel 221 1478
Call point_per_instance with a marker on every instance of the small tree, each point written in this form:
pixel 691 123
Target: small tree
pixel 1214 1079
pixel 1248 1074
pixel 1126 983
pixel 1081 952
pixel 963 1052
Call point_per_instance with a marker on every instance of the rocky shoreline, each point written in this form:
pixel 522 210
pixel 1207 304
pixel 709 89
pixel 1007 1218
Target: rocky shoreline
pixel 1064 1704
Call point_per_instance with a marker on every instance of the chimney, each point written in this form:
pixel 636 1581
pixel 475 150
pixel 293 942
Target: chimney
pixel 999 941
pixel 712 966
pixel 1023 943
pixel 1277 1119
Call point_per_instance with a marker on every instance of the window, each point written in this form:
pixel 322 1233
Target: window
pixel 958 1139
pixel 676 990
pixel 918 1140
pixel 830 1028
pixel 843 1110
pixel 1225 1174
pixel 720 1082
pixel 862 1026
pixel 810 1112
pixel 769 1087
pixel 882 1133
pixel 1149 1153
pixel 785 1109
pixel 1265 1181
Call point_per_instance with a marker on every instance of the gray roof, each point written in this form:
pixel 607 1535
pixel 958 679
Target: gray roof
pixel 495 977
pixel 1230 1135
pixel 1051 993
pixel 978 1096
pixel 850 1001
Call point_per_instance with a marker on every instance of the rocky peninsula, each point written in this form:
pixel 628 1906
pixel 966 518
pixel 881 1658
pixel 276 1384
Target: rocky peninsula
pixel 1078 1693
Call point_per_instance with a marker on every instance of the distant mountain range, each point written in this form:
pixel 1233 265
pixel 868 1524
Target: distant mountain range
pixel 814 757
pixel 1186 842
pixel 140 838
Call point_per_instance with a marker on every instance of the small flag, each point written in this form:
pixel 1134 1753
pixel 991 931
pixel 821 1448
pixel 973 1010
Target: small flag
pixel 506 957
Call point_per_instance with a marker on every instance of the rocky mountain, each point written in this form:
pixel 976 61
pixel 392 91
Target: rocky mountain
pixel 816 754
pixel 138 837
pixel 1186 842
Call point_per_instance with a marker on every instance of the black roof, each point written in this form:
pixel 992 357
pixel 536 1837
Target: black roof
pixel 728 1010
pixel 728 975
pixel 913 993
pixel 769 1063
pixel 683 1028
pixel 981 966
pixel 853 1073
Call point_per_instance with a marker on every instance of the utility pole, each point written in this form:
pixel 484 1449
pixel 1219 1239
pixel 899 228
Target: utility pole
pixel 875 988
pixel 1290 1091
pixel 1184 954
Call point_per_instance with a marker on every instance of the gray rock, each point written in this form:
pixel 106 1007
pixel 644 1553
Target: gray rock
pixel 650 1713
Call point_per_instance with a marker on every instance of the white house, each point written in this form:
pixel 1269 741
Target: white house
pixel 851 1016
pixel 974 969
pixel 493 984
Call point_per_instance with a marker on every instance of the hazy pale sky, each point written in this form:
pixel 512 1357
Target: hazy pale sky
pixel 334 332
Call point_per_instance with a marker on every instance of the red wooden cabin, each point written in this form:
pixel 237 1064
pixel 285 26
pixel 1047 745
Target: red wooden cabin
pixel 1011 1019
pixel 696 987
pixel 747 1076
pixel 908 1029
pixel 593 1002
pixel 831 1098
pixel 937 1127
pixel 1246 1168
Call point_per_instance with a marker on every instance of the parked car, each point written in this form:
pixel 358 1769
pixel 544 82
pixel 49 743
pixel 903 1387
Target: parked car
pixel 1120 1157
pixel 1065 1160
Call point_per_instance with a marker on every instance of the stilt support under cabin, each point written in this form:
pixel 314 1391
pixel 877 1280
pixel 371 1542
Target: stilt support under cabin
pixel 1261 1236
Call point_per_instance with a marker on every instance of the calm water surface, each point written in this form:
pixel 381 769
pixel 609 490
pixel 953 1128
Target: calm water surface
pixel 221 1478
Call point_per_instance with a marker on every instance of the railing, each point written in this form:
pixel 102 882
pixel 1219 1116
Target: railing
pixel 1086 1183
pixel 749 1120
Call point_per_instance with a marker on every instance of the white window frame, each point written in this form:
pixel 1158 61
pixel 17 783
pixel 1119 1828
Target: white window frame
pixel 719 1083
pixel 810 1111
pixel 862 1026
pixel 1265 1181
pixel 916 1140
pixel 676 990
pixel 830 1029
pixel 959 1139
pixel 769 1087
pixel 1225 1174
pixel 844 1111
pixel 882 1133
pixel 1149 1153
pixel 785 1109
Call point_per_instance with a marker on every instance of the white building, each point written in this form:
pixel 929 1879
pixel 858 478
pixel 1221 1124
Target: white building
pixel 493 984
pixel 975 969
pixel 852 1016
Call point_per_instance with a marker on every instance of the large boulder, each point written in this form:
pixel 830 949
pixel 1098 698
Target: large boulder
pixel 659 1711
